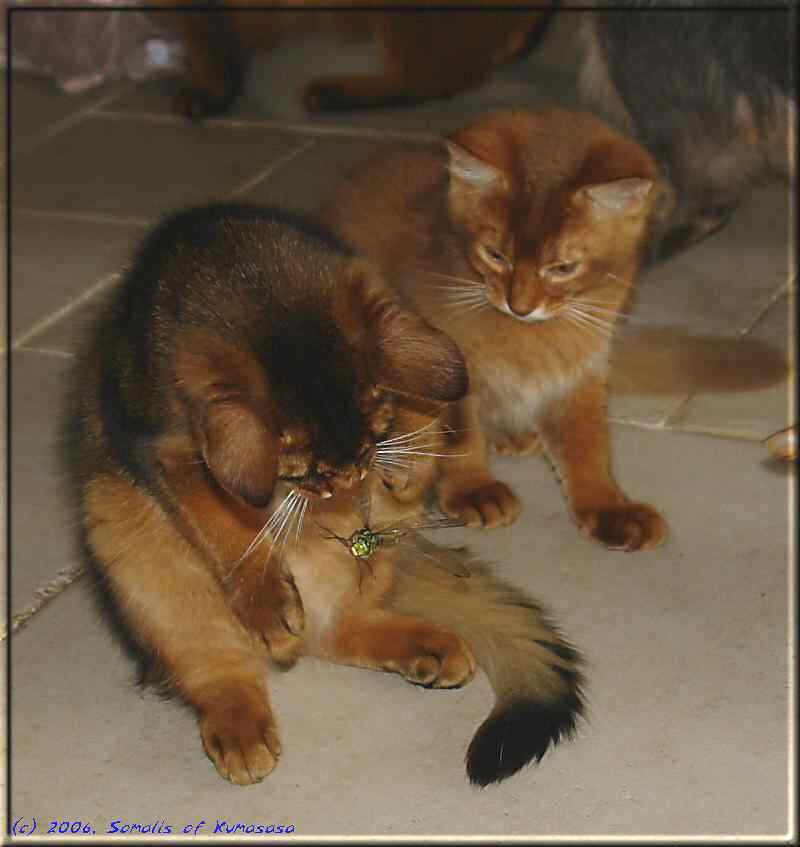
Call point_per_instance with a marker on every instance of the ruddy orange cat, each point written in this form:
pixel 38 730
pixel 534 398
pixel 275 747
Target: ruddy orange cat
pixel 428 49
pixel 521 236
pixel 250 387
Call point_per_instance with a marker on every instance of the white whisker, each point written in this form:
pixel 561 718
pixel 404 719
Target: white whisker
pixel 577 320
pixel 450 276
pixel 590 327
pixel 598 321
pixel 303 510
pixel 406 435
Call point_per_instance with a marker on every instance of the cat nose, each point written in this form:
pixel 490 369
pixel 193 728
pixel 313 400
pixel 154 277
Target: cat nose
pixel 519 309
pixel 520 298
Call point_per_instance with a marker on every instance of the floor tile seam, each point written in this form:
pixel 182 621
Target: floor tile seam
pixel 274 167
pixel 46 351
pixel 42 597
pixel 273 124
pixel 80 217
pixel 67 122
pixel 62 312
pixel 784 289
pixel 694 429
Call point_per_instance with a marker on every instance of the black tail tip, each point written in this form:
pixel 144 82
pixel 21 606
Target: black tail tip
pixel 509 739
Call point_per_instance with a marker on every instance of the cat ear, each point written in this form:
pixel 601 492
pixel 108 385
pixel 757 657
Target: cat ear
pixel 226 399
pixel 240 450
pixel 411 356
pixel 419 360
pixel 621 197
pixel 465 167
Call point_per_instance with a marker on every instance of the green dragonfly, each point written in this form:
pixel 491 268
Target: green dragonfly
pixel 368 540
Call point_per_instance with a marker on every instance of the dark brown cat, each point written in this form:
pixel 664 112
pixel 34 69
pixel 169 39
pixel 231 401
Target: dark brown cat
pixel 430 53
pixel 253 384
pixel 521 236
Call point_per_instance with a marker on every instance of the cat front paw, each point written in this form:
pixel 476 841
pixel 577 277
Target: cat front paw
pixel 274 611
pixel 489 503
pixel 627 526
pixel 240 738
pixel 524 444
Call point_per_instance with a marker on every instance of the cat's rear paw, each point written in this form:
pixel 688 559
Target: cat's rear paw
pixel 628 526
pixel 490 504
pixel 242 741
pixel 442 660
pixel 525 444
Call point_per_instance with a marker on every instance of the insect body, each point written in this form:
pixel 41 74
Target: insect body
pixel 367 540
pixel 363 543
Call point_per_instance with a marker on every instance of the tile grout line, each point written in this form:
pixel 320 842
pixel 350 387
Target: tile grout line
pixel 62 354
pixel 783 289
pixel 736 435
pixel 43 324
pixel 67 122
pixel 42 596
pixel 776 295
pixel 267 123
pixel 272 168
pixel 82 217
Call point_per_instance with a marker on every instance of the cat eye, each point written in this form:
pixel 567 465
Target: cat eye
pixel 560 271
pixel 494 257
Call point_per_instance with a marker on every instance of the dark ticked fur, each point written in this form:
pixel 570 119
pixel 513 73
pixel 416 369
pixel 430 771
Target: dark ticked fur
pixel 710 93
pixel 250 363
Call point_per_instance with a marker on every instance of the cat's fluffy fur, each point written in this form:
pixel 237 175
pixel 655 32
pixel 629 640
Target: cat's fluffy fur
pixel 708 91
pixel 244 376
pixel 521 236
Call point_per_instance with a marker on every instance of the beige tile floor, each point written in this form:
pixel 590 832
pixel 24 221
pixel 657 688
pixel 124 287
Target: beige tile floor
pixel 688 646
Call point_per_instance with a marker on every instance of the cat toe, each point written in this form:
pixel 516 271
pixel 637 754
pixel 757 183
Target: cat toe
pixel 490 505
pixel 243 746
pixel 628 527
pixel 447 664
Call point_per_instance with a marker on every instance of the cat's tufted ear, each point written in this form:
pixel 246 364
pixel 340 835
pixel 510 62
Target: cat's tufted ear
pixel 410 355
pixel 229 416
pixel 618 198
pixel 467 169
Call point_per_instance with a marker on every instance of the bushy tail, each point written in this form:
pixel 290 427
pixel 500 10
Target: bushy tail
pixel 534 672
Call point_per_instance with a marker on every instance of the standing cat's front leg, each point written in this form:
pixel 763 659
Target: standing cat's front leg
pixel 575 433
pixel 465 487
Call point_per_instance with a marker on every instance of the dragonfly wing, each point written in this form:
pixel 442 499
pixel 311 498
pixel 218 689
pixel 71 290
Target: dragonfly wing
pixel 449 560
